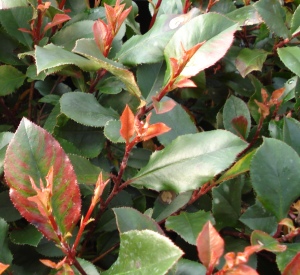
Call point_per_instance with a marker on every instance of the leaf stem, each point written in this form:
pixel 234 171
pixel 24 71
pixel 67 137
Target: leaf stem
pixel 155 14
pixel 61 4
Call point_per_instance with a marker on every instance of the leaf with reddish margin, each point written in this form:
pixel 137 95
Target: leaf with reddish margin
pixel 210 246
pixel 57 19
pixel 31 153
pixel 293 268
pixel 127 124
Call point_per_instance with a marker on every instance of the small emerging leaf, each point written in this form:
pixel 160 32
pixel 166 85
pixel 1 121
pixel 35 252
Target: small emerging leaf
pixel 127 124
pixel 57 19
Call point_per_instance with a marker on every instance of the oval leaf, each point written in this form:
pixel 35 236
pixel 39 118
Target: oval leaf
pixel 266 241
pixel 144 252
pixel 275 176
pixel 210 246
pixel 31 153
pixel 10 79
pixel 290 56
pixel 190 161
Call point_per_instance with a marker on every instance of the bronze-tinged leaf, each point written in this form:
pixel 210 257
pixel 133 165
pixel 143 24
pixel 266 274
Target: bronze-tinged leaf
pixel 240 124
pixel 31 154
pixel 155 130
pixel 3 267
pixel 57 19
pixel 210 246
pixel 293 268
pixel 127 124
pixel 162 107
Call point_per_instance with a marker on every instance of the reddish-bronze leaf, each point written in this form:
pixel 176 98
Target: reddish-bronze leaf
pixel 210 246
pixel 3 267
pixel 162 107
pixel 31 154
pixel 57 19
pixel 155 130
pixel 293 268
pixel 182 82
pixel 127 124
pixel 240 124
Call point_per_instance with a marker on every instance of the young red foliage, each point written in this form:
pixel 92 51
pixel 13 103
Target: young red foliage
pixel 162 107
pixel 210 246
pixel 127 124
pixel 3 267
pixel 293 268
pixel 57 19
pixel 103 36
pixel 240 124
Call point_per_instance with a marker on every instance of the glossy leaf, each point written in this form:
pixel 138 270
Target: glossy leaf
pixel 130 219
pixel 290 57
pixel 275 174
pixel 154 41
pixel 32 152
pixel 144 252
pixel 87 266
pixel 271 12
pixel 293 268
pixel 7 4
pixel 234 110
pixel 28 235
pixel 10 79
pixel 256 217
pixel 285 257
pixel 210 246
pixel 127 124
pixel 177 119
pixel 246 16
pixel 85 109
pixel 88 48
pixel 199 30
pixel 209 153
pixel 268 243
pixel 185 267
pixel 295 24
pixel 250 60
pixel 5 138
pixel 68 36
pixel 6 256
pixel 226 203
pixel 112 131
pixel 291 133
pixel 189 225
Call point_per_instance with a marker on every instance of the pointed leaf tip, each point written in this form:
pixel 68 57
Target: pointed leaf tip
pixel 127 124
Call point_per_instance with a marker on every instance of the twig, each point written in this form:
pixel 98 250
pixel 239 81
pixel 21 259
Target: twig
pixel 155 14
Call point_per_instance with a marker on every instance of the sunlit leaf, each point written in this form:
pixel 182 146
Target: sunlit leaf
pixel 268 243
pixel 127 124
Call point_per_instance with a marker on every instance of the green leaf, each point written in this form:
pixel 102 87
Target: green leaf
pixel 8 4
pixel 131 219
pixel 144 252
pixel 79 139
pixel 268 242
pixel 197 30
pixel 154 41
pixel 189 225
pixel 5 138
pixel 10 79
pixel 250 60
pixel 295 24
pixel 112 131
pixel 245 16
pixel 32 152
pixel 15 18
pixel 28 235
pixel 275 176
pixel 241 166
pixel 49 249
pixel 290 56
pixel 6 256
pixel 236 117
pixel 283 258
pixel 257 218
pixel 273 15
pixel 178 120
pixel 110 85
pixel 163 210
pixel 89 49
pixel 187 267
pixel 190 161
pixel 52 58
pixel 68 36
pixel 86 172
pixel 85 109
pixel 276 129
pixel 227 203
pixel 7 210
pixel 291 133
pixel 88 267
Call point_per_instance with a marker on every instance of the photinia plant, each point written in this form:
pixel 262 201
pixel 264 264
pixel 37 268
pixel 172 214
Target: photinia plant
pixel 174 150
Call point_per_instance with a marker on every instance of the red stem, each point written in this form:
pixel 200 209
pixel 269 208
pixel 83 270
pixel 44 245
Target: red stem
pixel 155 14
pixel 61 4
pixel 187 5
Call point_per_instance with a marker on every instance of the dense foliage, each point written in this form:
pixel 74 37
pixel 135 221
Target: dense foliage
pixel 175 151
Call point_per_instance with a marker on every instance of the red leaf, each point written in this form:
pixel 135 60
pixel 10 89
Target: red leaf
pixel 240 124
pixel 293 268
pixel 127 124
pixel 31 154
pixel 241 270
pixel 162 107
pixel 103 36
pixel 210 246
pixel 3 267
pixel 57 19
pixel 183 82
pixel 155 130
